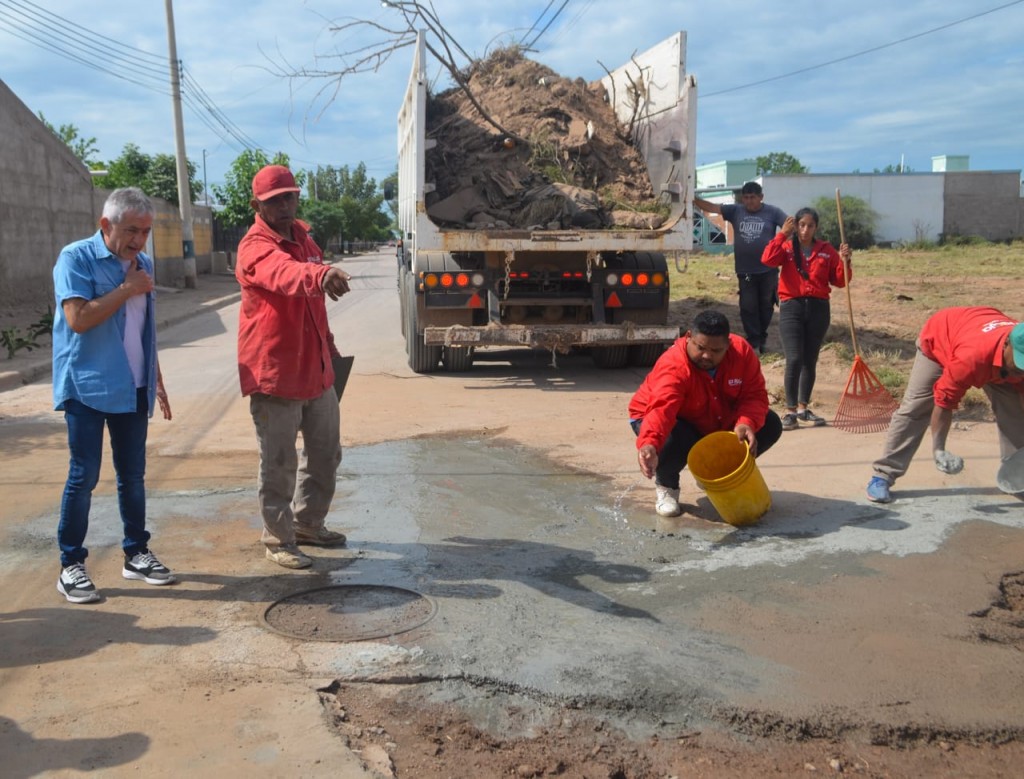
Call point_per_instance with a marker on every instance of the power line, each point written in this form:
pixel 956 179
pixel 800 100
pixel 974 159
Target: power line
pixel 862 53
pixel 42 42
pixel 573 21
pixel 55 34
pixel 551 21
pixel 534 25
pixel 34 17
pixel 219 116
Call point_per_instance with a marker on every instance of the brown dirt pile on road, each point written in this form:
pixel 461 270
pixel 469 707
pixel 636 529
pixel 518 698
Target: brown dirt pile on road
pixel 561 158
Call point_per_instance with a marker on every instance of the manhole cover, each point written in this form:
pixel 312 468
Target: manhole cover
pixel 348 612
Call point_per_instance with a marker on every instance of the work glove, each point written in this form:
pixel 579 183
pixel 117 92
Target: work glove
pixel 947 462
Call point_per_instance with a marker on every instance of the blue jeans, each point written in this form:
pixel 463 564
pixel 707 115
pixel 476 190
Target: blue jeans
pixel 85 442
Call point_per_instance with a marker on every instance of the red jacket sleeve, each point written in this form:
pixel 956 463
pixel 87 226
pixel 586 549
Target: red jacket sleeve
pixel 261 263
pixel 837 269
pixel 752 408
pixel 775 252
pixel 660 397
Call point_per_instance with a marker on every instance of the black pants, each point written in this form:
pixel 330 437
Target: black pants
pixel 758 293
pixel 803 323
pixel 672 457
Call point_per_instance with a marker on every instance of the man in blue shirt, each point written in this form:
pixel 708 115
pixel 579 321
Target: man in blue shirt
pixel 106 375
pixel 754 225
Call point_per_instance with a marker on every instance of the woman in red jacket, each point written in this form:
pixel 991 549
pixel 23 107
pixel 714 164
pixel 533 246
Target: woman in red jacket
pixel 809 269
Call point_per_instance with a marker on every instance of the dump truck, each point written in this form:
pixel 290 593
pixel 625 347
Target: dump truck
pixel 466 288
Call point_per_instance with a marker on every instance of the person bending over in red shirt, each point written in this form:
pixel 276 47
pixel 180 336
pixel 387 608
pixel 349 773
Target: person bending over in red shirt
pixel 958 348
pixel 708 380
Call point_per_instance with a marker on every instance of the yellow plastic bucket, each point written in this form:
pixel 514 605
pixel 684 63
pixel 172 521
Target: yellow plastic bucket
pixel 724 467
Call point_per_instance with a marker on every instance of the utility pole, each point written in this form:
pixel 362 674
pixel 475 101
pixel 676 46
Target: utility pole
pixel 206 191
pixel 188 249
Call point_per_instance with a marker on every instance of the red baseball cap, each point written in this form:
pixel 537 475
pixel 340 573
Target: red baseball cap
pixel 271 181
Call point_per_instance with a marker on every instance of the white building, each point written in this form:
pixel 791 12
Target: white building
pixel 948 201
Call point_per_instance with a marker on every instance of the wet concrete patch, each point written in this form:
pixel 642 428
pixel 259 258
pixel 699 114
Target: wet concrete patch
pixel 553 587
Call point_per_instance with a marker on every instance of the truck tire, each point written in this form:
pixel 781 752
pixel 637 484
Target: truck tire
pixel 422 358
pixel 401 302
pixel 457 359
pixel 645 355
pixel 610 356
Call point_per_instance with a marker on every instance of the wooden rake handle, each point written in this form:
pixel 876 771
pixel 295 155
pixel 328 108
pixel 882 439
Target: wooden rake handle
pixel 849 298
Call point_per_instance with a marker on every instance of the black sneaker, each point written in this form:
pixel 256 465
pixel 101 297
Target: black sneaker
pixel 145 567
pixel 789 422
pixel 75 585
pixel 808 416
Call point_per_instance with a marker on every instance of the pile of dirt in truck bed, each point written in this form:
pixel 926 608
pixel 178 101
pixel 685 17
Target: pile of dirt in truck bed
pixel 557 159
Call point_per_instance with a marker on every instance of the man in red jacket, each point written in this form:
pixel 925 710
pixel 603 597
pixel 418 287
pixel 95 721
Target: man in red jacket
pixel 284 363
pixel 958 348
pixel 708 380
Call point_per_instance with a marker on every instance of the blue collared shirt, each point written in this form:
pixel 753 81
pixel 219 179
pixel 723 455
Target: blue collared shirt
pixel 92 367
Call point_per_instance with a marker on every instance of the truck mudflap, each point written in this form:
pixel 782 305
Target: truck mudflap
pixel 555 337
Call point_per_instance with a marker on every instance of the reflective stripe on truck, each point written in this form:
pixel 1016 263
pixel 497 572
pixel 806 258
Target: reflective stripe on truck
pixel 549 337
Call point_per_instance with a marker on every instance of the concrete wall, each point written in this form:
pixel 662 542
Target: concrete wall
pixel 909 206
pixel 46 201
pixel 916 206
pixel 984 203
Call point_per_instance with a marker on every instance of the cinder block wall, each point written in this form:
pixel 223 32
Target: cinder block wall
pixel 46 201
pixel 983 203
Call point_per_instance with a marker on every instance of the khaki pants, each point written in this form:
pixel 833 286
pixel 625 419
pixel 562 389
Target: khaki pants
pixel 913 418
pixel 293 490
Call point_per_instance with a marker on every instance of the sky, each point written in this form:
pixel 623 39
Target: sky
pixel 843 87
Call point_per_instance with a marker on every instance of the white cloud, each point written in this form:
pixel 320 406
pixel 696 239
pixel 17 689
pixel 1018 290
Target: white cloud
pixel 957 90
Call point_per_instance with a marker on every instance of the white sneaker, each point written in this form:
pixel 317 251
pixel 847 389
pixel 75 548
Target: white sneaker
pixel 667 503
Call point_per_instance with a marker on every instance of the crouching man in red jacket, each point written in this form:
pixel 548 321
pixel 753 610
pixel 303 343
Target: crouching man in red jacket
pixel 708 380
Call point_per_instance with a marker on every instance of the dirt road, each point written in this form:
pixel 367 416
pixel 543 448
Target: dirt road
pixel 574 634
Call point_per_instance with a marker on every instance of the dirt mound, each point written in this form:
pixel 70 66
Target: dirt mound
pixel 555 155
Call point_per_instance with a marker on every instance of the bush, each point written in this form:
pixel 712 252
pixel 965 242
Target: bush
pixel 858 221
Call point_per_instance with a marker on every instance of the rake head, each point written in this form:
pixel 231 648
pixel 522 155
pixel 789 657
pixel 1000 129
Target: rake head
pixel 866 405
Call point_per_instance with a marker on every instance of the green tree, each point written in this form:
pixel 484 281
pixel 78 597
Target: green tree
pixel 157 176
pixel 780 162
pixel 362 200
pixel 162 178
pixel 858 221
pixel 236 193
pixel 128 170
pixel 356 195
pixel 389 187
pixel 325 184
pixel 899 167
pixel 326 221
pixel 83 148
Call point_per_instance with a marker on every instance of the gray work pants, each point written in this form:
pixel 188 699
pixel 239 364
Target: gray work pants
pixel 293 490
pixel 913 418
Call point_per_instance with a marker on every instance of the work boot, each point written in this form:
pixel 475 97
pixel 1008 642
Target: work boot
pixel 289 557
pixel 320 537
